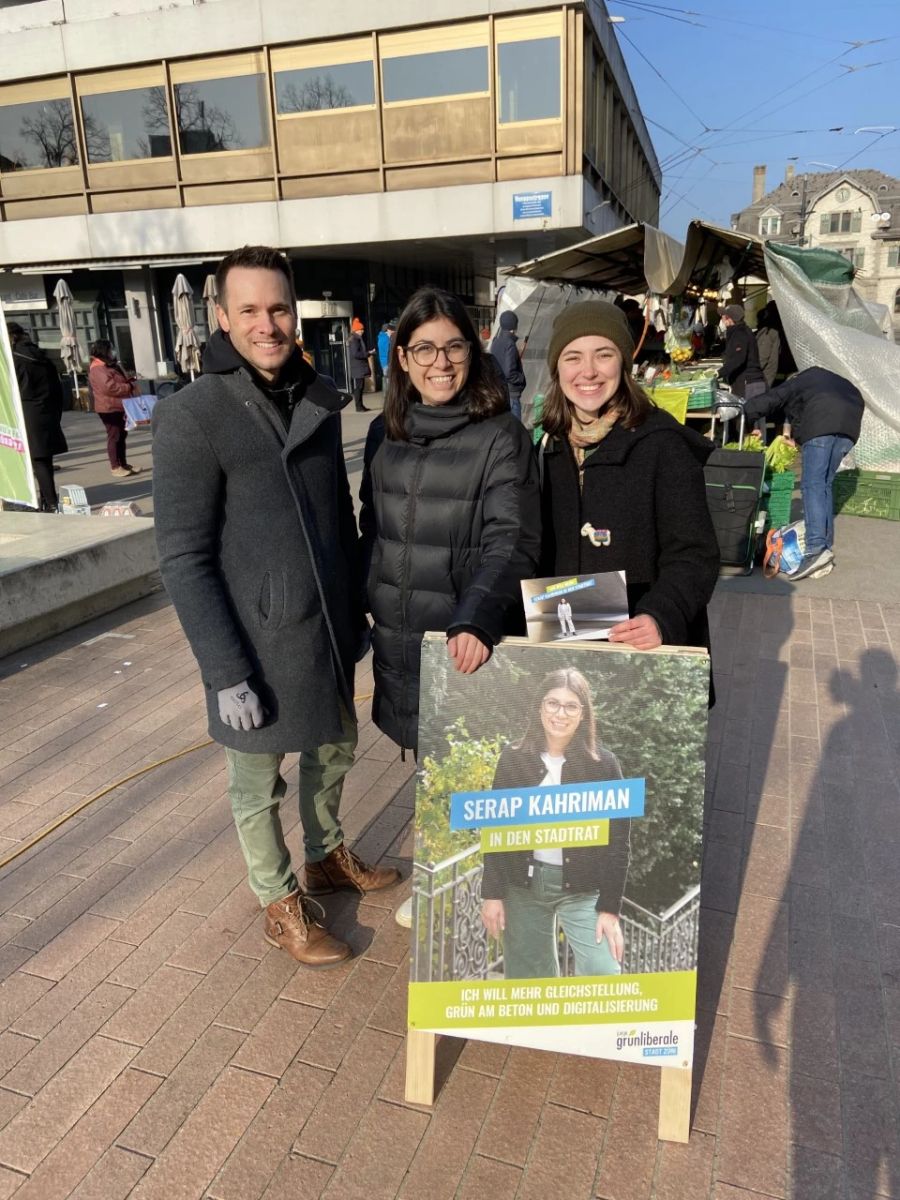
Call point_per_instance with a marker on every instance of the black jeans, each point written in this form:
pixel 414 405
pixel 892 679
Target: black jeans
pixel 358 386
pixel 48 501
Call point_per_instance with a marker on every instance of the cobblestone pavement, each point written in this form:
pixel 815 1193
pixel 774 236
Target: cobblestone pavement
pixel 154 1046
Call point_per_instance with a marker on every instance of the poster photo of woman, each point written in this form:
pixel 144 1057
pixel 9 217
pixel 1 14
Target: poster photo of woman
pixel 559 815
pixel 527 896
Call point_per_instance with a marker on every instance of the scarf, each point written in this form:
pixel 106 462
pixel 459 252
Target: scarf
pixel 585 435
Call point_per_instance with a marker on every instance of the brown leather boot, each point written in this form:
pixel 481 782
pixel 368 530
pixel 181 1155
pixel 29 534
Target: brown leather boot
pixel 292 926
pixel 343 870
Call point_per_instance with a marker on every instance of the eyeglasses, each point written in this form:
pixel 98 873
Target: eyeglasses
pixel 425 353
pixel 571 708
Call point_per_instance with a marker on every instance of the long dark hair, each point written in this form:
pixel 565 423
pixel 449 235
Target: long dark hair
pixel 632 401
pixel 585 739
pixel 102 348
pixel 485 395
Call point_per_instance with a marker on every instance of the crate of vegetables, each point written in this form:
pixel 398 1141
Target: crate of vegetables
pixel 867 494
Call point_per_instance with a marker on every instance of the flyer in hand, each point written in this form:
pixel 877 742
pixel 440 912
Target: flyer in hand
pixel 559 815
pixel 560 608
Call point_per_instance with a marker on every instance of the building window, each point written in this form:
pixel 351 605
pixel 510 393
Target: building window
pixel 897 301
pixel 124 125
pixel 317 89
pixel 39 134
pixel 842 195
pixel 840 222
pixel 529 80
pixel 222 114
pixel 769 225
pixel 856 255
pixel 893 256
pixel 440 73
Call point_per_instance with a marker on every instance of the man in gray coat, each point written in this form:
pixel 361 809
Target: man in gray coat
pixel 257 548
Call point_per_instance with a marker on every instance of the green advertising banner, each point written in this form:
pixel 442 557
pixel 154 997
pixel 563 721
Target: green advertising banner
pixel 559 819
pixel 16 479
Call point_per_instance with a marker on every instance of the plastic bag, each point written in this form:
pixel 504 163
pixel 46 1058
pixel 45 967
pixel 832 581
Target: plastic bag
pixel 785 548
pixel 138 411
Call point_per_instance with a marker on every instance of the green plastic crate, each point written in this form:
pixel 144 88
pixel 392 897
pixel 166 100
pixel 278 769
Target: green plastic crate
pixel 867 494
pixel 778 501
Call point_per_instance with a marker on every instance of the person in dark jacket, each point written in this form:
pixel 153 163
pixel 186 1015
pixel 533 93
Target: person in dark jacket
pixel 110 386
pixel 505 349
pixel 623 486
pixel 740 362
pixel 42 405
pixel 768 346
pixel 823 415
pixel 359 362
pixel 258 551
pixel 526 893
pixel 450 513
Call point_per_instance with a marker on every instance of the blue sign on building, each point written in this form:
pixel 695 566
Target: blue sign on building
pixel 527 205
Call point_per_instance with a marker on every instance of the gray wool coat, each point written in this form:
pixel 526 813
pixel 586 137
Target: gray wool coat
pixel 258 551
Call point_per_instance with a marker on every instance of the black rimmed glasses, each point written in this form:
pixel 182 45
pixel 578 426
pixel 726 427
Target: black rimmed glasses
pixel 425 354
pixel 553 707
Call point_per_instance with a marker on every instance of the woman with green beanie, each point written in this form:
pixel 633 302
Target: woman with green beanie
pixel 622 484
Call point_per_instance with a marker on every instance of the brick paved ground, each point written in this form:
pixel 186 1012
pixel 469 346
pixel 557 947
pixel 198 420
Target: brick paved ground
pixel 154 1046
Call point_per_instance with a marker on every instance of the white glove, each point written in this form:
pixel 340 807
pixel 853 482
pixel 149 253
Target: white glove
pixel 240 707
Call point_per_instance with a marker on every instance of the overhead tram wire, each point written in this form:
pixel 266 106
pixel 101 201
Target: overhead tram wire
pixel 682 15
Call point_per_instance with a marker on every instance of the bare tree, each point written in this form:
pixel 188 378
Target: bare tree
pixel 50 129
pixel 319 92
pixel 202 127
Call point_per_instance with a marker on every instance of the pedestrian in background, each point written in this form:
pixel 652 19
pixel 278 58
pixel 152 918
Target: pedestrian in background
pixel 42 404
pixel 110 385
pixel 359 362
pixel 823 415
pixel 258 551
pixel 768 346
pixel 740 362
pixel 505 350
pixel 384 349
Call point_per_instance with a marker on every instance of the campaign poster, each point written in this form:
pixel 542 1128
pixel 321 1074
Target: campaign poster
pixel 16 479
pixel 574 606
pixel 558 830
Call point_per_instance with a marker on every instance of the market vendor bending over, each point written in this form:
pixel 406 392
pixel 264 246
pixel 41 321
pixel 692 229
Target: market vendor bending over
pixel 822 415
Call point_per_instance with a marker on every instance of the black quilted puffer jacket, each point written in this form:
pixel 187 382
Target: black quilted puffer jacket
pixel 450 526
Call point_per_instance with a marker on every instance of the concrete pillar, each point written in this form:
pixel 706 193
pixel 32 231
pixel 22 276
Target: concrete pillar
pixel 138 301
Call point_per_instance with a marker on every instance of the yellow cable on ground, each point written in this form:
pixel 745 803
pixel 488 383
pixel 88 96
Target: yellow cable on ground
pixel 12 855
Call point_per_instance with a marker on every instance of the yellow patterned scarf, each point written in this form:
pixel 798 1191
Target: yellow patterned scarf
pixel 584 435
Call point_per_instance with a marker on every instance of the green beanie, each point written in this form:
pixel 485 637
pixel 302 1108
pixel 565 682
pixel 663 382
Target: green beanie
pixel 596 317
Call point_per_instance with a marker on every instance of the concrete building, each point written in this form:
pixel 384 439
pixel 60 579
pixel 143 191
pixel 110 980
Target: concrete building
pixel 380 146
pixel 856 213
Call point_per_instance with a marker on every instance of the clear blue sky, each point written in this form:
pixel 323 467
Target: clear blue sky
pixel 769 81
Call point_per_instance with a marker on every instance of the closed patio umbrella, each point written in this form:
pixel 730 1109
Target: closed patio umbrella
pixel 187 348
pixel 69 348
pixel 211 296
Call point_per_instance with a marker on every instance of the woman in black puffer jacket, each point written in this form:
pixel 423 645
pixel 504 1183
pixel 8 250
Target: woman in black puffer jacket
pixel 451 513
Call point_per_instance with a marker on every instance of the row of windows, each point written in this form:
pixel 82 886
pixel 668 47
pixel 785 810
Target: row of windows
pixel 231 113
pixel 840 222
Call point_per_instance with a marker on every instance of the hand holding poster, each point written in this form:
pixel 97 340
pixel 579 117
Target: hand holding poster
pixel 16 479
pixel 559 813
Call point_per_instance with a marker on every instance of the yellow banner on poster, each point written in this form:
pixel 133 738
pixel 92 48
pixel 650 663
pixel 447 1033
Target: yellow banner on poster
pixel 544 837
pixel 585 1000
